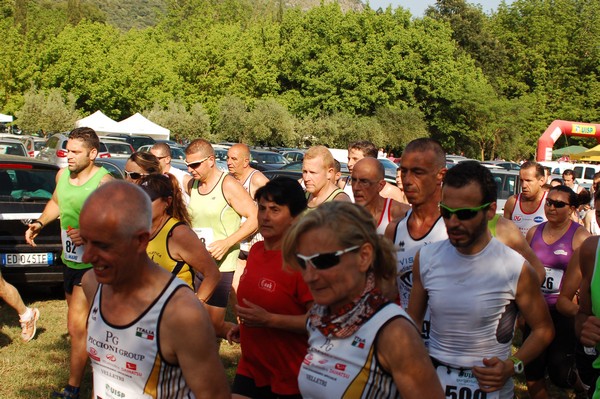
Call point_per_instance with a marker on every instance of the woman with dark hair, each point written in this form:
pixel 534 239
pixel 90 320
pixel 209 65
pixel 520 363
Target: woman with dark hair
pixel 360 343
pixel 141 164
pixel 173 244
pixel 554 242
pixel 272 302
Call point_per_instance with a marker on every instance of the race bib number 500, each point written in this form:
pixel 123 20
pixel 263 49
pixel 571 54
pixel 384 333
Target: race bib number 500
pixel 461 384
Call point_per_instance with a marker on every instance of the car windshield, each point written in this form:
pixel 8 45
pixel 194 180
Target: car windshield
pixel 12 148
pixel 20 183
pixel 118 148
pixel 269 158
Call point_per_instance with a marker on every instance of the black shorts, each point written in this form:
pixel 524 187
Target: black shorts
pixel 243 385
pixel 72 278
pixel 220 296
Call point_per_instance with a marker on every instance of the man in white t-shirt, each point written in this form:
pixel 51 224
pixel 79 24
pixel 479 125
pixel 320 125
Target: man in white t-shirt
pixel 162 151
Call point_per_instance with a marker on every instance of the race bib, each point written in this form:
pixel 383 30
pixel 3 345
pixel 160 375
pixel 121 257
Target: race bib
pixel 551 284
pixel 109 390
pixel 72 252
pixel 462 384
pixel 205 234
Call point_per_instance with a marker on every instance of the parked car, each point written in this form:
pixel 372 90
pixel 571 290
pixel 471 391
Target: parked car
pixel 176 151
pixel 503 164
pixel 116 166
pixel 26 185
pixel 117 148
pixel 265 160
pixel 55 150
pixel 136 141
pixel 11 146
pixel 508 183
pixel 293 155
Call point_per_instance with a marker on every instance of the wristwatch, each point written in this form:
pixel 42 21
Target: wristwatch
pixel 518 364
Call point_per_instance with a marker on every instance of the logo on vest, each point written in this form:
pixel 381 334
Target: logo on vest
pixel 359 342
pixel 561 252
pixel 93 354
pixel 94 313
pixel 130 366
pixel 111 357
pixel 144 334
pixel 517 218
pixel 538 219
pixel 267 285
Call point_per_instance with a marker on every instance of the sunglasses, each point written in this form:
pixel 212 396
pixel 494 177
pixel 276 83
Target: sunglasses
pixel 461 213
pixel 196 164
pixel 556 204
pixel 135 175
pixel 323 261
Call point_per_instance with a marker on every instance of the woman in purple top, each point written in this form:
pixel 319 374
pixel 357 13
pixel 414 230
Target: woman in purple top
pixel 554 243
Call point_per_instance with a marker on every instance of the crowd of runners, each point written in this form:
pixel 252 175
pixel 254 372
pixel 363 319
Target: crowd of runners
pixel 342 287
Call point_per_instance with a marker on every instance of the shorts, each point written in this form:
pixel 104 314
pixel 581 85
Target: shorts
pixel 220 296
pixel 243 385
pixel 72 278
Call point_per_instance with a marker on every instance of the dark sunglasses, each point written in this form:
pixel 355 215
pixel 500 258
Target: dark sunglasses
pixel 135 175
pixel 556 204
pixel 196 164
pixel 323 261
pixel 461 213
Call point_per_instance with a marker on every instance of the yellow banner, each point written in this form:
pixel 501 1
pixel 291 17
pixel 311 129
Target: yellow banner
pixel 584 129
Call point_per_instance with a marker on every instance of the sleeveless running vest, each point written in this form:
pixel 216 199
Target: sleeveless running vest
pixel 126 360
pixel 246 244
pixel 214 219
pixel 158 251
pixel 348 189
pixel 331 196
pixel 347 368
pixel 525 221
pixel 595 297
pixel 386 216
pixel 70 200
pixel 555 258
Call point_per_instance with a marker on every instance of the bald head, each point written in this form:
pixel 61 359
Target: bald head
pixel 241 149
pixel 367 181
pixel 370 167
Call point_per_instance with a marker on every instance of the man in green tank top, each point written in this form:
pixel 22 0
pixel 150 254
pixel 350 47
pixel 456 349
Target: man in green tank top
pixel 73 185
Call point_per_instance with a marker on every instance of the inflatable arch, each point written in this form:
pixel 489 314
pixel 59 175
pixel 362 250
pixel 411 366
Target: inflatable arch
pixel 558 127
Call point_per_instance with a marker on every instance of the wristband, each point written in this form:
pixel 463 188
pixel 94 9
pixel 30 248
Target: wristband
pixel 38 222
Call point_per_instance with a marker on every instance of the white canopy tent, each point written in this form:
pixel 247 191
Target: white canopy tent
pixel 100 123
pixel 138 124
pixel 5 118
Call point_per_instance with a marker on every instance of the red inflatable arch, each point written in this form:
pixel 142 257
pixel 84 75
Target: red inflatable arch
pixel 558 127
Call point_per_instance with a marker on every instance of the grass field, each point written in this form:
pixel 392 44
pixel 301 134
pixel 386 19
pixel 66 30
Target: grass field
pixel 33 370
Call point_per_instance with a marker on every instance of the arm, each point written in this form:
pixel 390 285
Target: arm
pixel 508 233
pixel 587 326
pixel 184 244
pixel 401 352
pixel 242 203
pixel 252 315
pixel 417 304
pixel 185 321
pixel 570 284
pixel 391 191
pixel 398 210
pixel 89 285
pixel 51 212
pixel 587 220
pixel 509 207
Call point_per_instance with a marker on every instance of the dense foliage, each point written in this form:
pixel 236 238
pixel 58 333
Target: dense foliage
pixel 483 84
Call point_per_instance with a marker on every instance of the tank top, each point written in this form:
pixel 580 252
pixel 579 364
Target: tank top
pixel 525 221
pixel 331 197
pixel 70 201
pixel 348 368
pixel 214 219
pixel 555 258
pixel 126 360
pixel 180 175
pixel 386 216
pixel 595 297
pixel 158 251
pixel 247 243
pixel 348 189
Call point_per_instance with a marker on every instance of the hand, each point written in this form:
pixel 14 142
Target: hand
pixel 590 331
pixel 218 249
pixel 32 232
pixel 493 374
pixel 233 335
pixel 75 237
pixel 253 315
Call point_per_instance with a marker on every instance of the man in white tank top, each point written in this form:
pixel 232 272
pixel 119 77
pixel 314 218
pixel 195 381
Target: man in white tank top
pixel 148 336
pixel 162 151
pixel 527 208
pixel 474 286
pixel 367 182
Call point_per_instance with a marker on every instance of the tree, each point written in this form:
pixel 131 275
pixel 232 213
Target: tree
pixel 270 123
pixel 183 124
pixel 50 111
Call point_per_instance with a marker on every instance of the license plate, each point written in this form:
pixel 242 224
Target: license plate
pixel 27 259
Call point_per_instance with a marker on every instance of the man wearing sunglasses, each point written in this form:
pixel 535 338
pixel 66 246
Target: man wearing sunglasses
pixel 217 204
pixel 526 209
pixel 367 182
pixel 73 185
pixel 162 151
pixel 474 287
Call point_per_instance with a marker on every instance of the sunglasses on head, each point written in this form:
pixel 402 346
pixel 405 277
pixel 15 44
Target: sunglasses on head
pixel 196 164
pixel 461 213
pixel 323 261
pixel 135 175
pixel 556 204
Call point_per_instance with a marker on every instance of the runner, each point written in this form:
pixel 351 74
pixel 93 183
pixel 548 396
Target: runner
pixel 527 208
pixel 73 185
pixel 162 152
pixel 317 173
pixel 141 164
pixel 28 317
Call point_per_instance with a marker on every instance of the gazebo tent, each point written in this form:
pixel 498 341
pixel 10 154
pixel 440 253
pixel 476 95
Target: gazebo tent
pixel 101 123
pixel 5 118
pixel 137 124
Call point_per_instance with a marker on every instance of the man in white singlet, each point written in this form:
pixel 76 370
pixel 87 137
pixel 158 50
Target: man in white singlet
pixel 367 182
pixel 527 208
pixel 474 286
pixel 149 336
pixel 162 151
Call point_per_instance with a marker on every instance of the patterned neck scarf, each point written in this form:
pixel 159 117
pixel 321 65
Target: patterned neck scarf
pixel 352 316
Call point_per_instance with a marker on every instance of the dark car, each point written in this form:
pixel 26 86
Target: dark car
pixel 136 141
pixel 26 185
pixel 266 160
pixel 116 166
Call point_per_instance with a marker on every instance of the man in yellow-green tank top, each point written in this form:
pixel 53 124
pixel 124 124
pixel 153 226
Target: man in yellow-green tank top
pixel 73 185
pixel 217 203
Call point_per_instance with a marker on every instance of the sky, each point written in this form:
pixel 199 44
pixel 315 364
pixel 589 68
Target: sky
pixel 417 7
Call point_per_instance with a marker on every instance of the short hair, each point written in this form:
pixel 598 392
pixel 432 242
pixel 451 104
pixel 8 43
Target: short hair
pixel 584 197
pixel 596 176
pixel 539 168
pixel 573 199
pixel 467 172
pixel 284 191
pixel 568 172
pixel 164 186
pixel 337 166
pixel 428 144
pixel 351 225
pixel 368 148
pixel 87 135
pixel 147 161
pixel 163 148
pixel 320 151
pixel 200 145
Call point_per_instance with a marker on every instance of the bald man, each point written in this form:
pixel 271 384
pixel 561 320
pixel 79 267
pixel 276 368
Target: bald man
pixel 318 171
pixel 367 182
pixel 147 317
